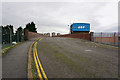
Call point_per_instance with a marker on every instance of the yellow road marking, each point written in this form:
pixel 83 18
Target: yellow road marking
pixel 39 63
pixel 38 70
pixel 40 39
pixel 41 66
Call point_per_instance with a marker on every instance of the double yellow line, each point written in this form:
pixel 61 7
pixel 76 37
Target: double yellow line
pixel 41 72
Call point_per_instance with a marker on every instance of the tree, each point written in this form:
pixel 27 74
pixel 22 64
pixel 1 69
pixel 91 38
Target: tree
pixel 31 27
pixel 19 34
pixel 20 29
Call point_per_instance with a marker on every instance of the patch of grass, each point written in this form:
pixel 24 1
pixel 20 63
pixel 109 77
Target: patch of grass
pixel 107 71
pixel 101 45
pixel 33 69
pixel 73 65
pixel 60 47
pixel 32 65
pixel 5 47
pixel 79 57
pixel 95 44
pixel 4 50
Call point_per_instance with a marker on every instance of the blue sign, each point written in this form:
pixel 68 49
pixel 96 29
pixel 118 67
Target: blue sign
pixel 80 27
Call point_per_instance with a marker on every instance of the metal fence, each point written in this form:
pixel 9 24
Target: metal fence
pixel 8 38
pixel 106 38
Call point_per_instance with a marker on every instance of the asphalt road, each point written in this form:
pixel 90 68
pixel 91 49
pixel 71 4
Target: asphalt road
pixel 0 62
pixel 75 58
pixel 14 62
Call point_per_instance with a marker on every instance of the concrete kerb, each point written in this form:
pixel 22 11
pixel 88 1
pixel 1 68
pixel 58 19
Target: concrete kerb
pixel 3 51
pixel 29 70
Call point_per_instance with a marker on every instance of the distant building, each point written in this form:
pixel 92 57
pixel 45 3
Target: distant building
pixel 58 34
pixel 53 34
pixel 48 34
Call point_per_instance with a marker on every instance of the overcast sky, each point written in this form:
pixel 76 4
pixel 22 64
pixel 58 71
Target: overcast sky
pixel 56 16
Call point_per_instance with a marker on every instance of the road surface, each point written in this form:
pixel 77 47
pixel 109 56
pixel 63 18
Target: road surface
pixel 75 58
pixel 63 58
pixel 14 62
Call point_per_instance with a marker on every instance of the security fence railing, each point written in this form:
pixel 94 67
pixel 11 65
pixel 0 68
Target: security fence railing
pixel 8 37
pixel 111 38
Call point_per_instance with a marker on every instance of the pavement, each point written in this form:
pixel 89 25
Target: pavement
pixel 76 58
pixel 14 62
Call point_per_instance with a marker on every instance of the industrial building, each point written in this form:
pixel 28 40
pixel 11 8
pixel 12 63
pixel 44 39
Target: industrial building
pixel 80 28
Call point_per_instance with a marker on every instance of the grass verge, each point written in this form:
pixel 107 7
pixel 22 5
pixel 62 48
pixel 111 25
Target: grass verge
pixel 4 50
pixel 96 44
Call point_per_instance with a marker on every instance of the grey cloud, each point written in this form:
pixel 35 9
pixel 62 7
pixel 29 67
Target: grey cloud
pixel 52 16
pixel 0 13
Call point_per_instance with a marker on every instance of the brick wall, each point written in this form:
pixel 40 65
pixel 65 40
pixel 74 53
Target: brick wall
pixel 31 35
pixel 85 36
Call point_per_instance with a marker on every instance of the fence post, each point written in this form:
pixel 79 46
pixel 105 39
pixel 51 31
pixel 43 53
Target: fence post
pixel 114 37
pixel 91 36
pixel 118 39
pixel 101 37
